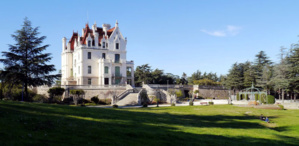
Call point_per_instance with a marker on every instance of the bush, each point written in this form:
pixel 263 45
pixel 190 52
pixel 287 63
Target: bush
pixel 271 99
pixel 262 98
pixel 68 100
pixel 115 106
pixel 105 101
pixel 95 99
pixel 256 97
pixel 55 91
pixel 40 98
pixel 281 107
pixel 211 103
pixel 238 97
pixel 55 99
pixel 144 105
pixel 173 104
pixel 191 103
pixel 17 95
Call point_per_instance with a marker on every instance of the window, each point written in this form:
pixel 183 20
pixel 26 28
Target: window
pixel 117 56
pixel 78 69
pixel 89 55
pixel 89 43
pixel 103 44
pixel 117 71
pixel 117 46
pixel 89 81
pixel 89 69
pixel 104 56
pixel 106 69
pixel 106 45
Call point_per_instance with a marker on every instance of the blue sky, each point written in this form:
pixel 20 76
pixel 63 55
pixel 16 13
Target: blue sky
pixel 176 36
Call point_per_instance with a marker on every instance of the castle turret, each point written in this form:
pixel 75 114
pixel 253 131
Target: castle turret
pixel 63 44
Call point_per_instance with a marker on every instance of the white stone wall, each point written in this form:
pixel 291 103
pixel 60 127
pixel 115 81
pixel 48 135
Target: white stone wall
pixel 78 61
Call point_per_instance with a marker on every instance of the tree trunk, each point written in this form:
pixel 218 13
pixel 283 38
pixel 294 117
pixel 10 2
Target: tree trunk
pixel 279 94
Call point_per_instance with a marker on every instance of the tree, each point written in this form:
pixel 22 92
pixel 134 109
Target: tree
pixel 262 64
pixel 26 60
pixel 143 74
pixel 235 78
pixel 248 74
pixel 77 95
pixel 293 72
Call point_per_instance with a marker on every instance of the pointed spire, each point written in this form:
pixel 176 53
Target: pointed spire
pixel 116 23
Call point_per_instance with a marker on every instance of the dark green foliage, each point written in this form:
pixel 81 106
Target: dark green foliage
pixel 56 91
pixel 145 74
pixel 256 97
pixel 271 99
pixel 172 104
pixel 238 97
pixel 191 103
pixel 40 98
pixel 95 99
pixel 281 107
pixel 115 106
pixel 144 105
pixel 211 103
pixel 25 60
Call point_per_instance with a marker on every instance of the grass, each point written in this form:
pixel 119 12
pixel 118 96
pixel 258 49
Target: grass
pixel 43 124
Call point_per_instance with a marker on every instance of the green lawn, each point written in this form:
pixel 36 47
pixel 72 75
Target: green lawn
pixel 44 124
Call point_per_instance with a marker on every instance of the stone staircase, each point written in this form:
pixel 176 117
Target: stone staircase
pixel 130 99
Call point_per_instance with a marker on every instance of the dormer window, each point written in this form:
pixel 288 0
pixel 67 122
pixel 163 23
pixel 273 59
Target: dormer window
pixel 89 43
pixel 103 44
pixel 116 45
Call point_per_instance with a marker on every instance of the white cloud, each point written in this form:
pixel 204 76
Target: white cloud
pixel 229 31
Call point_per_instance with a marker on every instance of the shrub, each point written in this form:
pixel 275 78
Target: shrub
pixel 55 91
pixel 238 97
pixel 56 99
pixel 281 107
pixel 262 98
pixel 172 104
pixel 191 103
pixel 144 105
pixel 211 103
pixel 105 101
pixel 256 97
pixel 179 93
pixel 95 99
pixel 40 98
pixel 115 106
pixel 271 99
pixel 68 100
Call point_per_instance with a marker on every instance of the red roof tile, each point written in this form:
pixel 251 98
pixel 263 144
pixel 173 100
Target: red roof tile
pixel 84 36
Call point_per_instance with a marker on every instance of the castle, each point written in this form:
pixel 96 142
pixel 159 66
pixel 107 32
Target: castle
pixel 97 57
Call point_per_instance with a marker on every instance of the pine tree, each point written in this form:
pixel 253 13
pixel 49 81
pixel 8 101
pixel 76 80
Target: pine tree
pixel 26 60
pixel 293 73
pixel 248 74
pixel 262 64
pixel 234 78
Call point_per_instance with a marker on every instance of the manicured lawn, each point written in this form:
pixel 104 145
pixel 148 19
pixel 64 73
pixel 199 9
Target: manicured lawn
pixel 44 124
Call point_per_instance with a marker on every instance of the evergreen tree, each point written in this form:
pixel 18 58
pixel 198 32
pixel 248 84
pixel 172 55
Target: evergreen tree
pixel 234 78
pixel 248 74
pixel 26 60
pixel 143 74
pixel 262 64
pixel 293 72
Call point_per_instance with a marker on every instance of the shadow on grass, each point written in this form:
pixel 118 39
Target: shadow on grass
pixel 76 125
